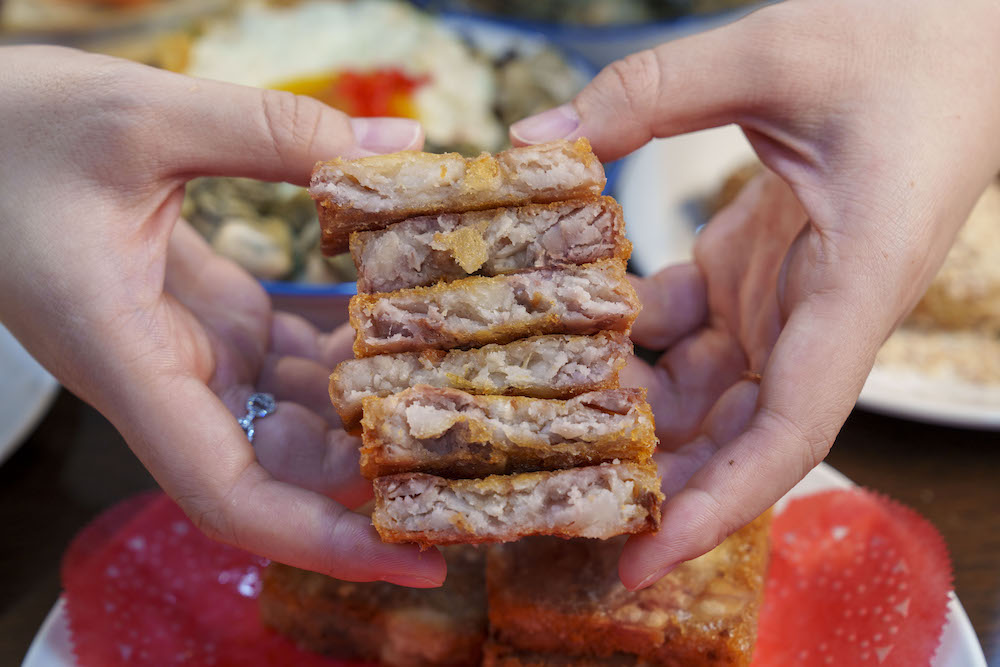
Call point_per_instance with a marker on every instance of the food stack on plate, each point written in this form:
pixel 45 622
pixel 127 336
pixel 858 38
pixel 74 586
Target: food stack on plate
pixel 492 320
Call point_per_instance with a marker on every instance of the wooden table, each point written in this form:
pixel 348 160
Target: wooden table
pixel 75 465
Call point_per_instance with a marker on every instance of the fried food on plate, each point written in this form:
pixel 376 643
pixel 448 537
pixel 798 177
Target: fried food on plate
pixel 702 613
pixel 394 625
pixel 595 501
pixel 373 192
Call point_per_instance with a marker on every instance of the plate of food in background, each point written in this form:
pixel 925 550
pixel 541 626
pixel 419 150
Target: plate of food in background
pixel 465 79
pixel 942 365
pixel 603 31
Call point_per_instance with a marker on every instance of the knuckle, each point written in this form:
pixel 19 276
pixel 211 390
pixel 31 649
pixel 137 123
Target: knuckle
pixel 816 438
pixel 768 37
pixel 212 516
pixel 636 81
pixel 291 121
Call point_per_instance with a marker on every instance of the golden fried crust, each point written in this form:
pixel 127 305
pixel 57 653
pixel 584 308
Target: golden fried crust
pixel 554 366
pixel 451 433
pixel 377 621
pixel 498 654
pixel 489 510
pixel 702 613
pixel 422 251
pixel 477 311
pixel 487 181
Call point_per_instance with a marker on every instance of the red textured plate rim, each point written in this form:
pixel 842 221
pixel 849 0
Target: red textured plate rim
pixel 959 644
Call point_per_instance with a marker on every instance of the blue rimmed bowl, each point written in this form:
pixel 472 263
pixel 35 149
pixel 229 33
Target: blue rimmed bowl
pixel 600 44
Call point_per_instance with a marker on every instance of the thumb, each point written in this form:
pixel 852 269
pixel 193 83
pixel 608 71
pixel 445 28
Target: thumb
pixel 212 128
pixel 703 81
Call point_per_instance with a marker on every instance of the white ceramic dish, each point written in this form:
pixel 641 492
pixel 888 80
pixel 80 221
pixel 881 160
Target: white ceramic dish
pixel 661 189
pixel 26 392
pixel 959 645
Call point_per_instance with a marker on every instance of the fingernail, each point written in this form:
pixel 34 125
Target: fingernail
pixel 385 135
pixel 652 579
pixel 549 125
pixel 412 581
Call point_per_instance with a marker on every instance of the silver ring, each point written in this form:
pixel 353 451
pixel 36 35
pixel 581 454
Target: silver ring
pixel 258 405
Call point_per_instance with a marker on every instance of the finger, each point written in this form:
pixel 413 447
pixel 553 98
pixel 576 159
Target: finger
pixel 293 336
pixel 301 381
pixel 686 382
pixel 727 418
pixel 204 461
pixel 809 387
pixel 673 302
pixel 743 249
pixel 231 305
pixel 337 346
pixel 214 128
pixel 706 80
pixel 297 446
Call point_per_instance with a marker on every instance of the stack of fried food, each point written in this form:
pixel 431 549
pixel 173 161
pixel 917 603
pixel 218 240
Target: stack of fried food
pixel 538 602
pixel 492 320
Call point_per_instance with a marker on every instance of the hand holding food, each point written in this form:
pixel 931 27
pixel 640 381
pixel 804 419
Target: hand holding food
pixel 885 150
pixel 133 312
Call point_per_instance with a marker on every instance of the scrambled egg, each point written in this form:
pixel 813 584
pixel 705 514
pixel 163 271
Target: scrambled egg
pixel 341 52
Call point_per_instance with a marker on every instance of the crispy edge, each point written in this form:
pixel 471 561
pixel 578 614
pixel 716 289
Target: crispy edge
pixel 362 627
pixel 505 333
pixel 650 498
pixel 351 412
pixel 499 654
pixel 533 627
pixel 622 249
pixel 498 458
pixel 337 223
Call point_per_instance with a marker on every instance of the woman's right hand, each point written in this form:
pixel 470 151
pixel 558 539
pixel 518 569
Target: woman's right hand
pixel 882 117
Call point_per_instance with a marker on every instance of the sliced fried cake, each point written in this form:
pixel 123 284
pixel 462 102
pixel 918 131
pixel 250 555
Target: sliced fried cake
pixel 373 192
pixel 451 433
pixel 555 366
pixel 594 501
pixel 428 249
pixel 393 625
pixel 704 612
pixel 478 311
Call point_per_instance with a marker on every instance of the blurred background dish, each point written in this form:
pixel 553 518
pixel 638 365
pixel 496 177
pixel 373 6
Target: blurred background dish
pixel 466 79
pixel 26 392
pixel 603 31
pixel 942 365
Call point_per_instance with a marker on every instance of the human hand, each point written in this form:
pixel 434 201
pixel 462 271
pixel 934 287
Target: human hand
pixel 881 118
pixel 132 312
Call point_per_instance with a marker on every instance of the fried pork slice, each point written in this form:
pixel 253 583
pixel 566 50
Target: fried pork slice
pixel 372 192
pixel 555 366
pixel 451 433
pixel 477 311
pixel 596 501
pixel 425 250
pixel 559 598
pixel 381 622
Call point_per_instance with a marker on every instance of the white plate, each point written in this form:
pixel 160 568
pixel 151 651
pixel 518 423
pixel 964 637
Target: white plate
pixel 26 392
pixel 959 645
pixel 661 189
